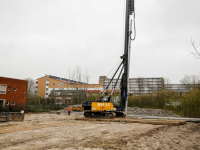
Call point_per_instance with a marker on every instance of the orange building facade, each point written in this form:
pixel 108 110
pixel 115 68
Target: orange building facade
pixel 45 85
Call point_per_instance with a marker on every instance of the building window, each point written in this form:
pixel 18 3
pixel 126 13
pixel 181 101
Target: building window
pixel 56 93
pixel 70 93
pixel 47 80
pixel 15 89
pixel 53 84
pixel 46 88
pixel 9 88
pixel 60 84
pixel 2 88
pixel 46 93
pixel 14 103
pixel 47 84
pixel 67 100
pixel 7 103
pixel 58 101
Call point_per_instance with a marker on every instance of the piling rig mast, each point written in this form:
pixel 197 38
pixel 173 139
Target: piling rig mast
pixel 104 107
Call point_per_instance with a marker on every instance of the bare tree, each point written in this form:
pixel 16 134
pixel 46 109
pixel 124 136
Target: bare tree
pixel 30 87
pixel 195 53
pixel 167 83
pixel 78 71
pixel 140 82
pixel 78 77
pixel 190 81
pixel 199 78
pixel 87 77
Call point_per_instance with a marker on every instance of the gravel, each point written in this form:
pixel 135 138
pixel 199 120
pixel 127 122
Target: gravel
pixel 136 111
pixel 150 112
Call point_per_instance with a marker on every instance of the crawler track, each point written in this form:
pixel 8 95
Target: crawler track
pixel 104 114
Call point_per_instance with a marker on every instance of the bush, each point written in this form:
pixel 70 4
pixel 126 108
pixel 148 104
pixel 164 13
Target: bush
pixel 190 104
pixel 157 101
pixel 44 108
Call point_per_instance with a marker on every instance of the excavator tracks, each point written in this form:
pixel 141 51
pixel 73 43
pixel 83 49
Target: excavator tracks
pixel 103 114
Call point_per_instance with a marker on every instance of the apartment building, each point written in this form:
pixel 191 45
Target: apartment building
pixel 147 86
pixel 137 86
pixel 45 85
pixel 181 86
pixel 12 91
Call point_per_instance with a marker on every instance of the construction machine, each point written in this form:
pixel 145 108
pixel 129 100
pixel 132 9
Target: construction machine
pixel 103 106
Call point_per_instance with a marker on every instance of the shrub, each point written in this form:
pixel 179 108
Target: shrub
pixel 190 104
pixel 151 101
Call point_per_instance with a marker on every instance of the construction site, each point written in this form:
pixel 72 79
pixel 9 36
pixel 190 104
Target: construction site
pixel 61 131
pixel 104 122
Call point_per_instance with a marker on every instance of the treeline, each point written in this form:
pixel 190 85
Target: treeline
pixel 187 105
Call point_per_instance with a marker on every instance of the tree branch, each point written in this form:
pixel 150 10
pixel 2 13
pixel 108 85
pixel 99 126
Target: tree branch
pixel 196 53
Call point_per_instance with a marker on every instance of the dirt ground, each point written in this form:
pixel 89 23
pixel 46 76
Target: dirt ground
pixel 52 131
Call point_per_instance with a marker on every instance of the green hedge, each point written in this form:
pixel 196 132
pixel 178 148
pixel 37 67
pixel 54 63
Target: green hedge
pixel 44 107
pixel 158 101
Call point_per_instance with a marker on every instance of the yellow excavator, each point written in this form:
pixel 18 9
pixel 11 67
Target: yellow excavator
pixel 103 106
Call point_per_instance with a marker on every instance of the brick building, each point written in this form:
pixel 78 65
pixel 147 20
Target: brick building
pixel 12 91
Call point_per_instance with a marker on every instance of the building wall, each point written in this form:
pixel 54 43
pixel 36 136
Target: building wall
pixel 136 85
pixel 17 97
pixel 181 86
pixel 139 86
pixel 102 79
pixel 41 86
pixel 44 87
pixel 147 86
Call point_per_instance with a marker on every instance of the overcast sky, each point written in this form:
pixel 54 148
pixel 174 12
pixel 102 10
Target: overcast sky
pixel 39 37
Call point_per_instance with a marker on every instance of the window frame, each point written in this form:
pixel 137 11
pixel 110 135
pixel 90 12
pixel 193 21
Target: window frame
pixel 15 89
pixel 71 93
pixel 56 93
pixel 7 102
pixel 3 90
pixel 60 84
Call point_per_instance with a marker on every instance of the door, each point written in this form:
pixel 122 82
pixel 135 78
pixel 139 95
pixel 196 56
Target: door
pixel 2 105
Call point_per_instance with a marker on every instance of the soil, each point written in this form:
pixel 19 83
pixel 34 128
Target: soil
pixel 52 131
